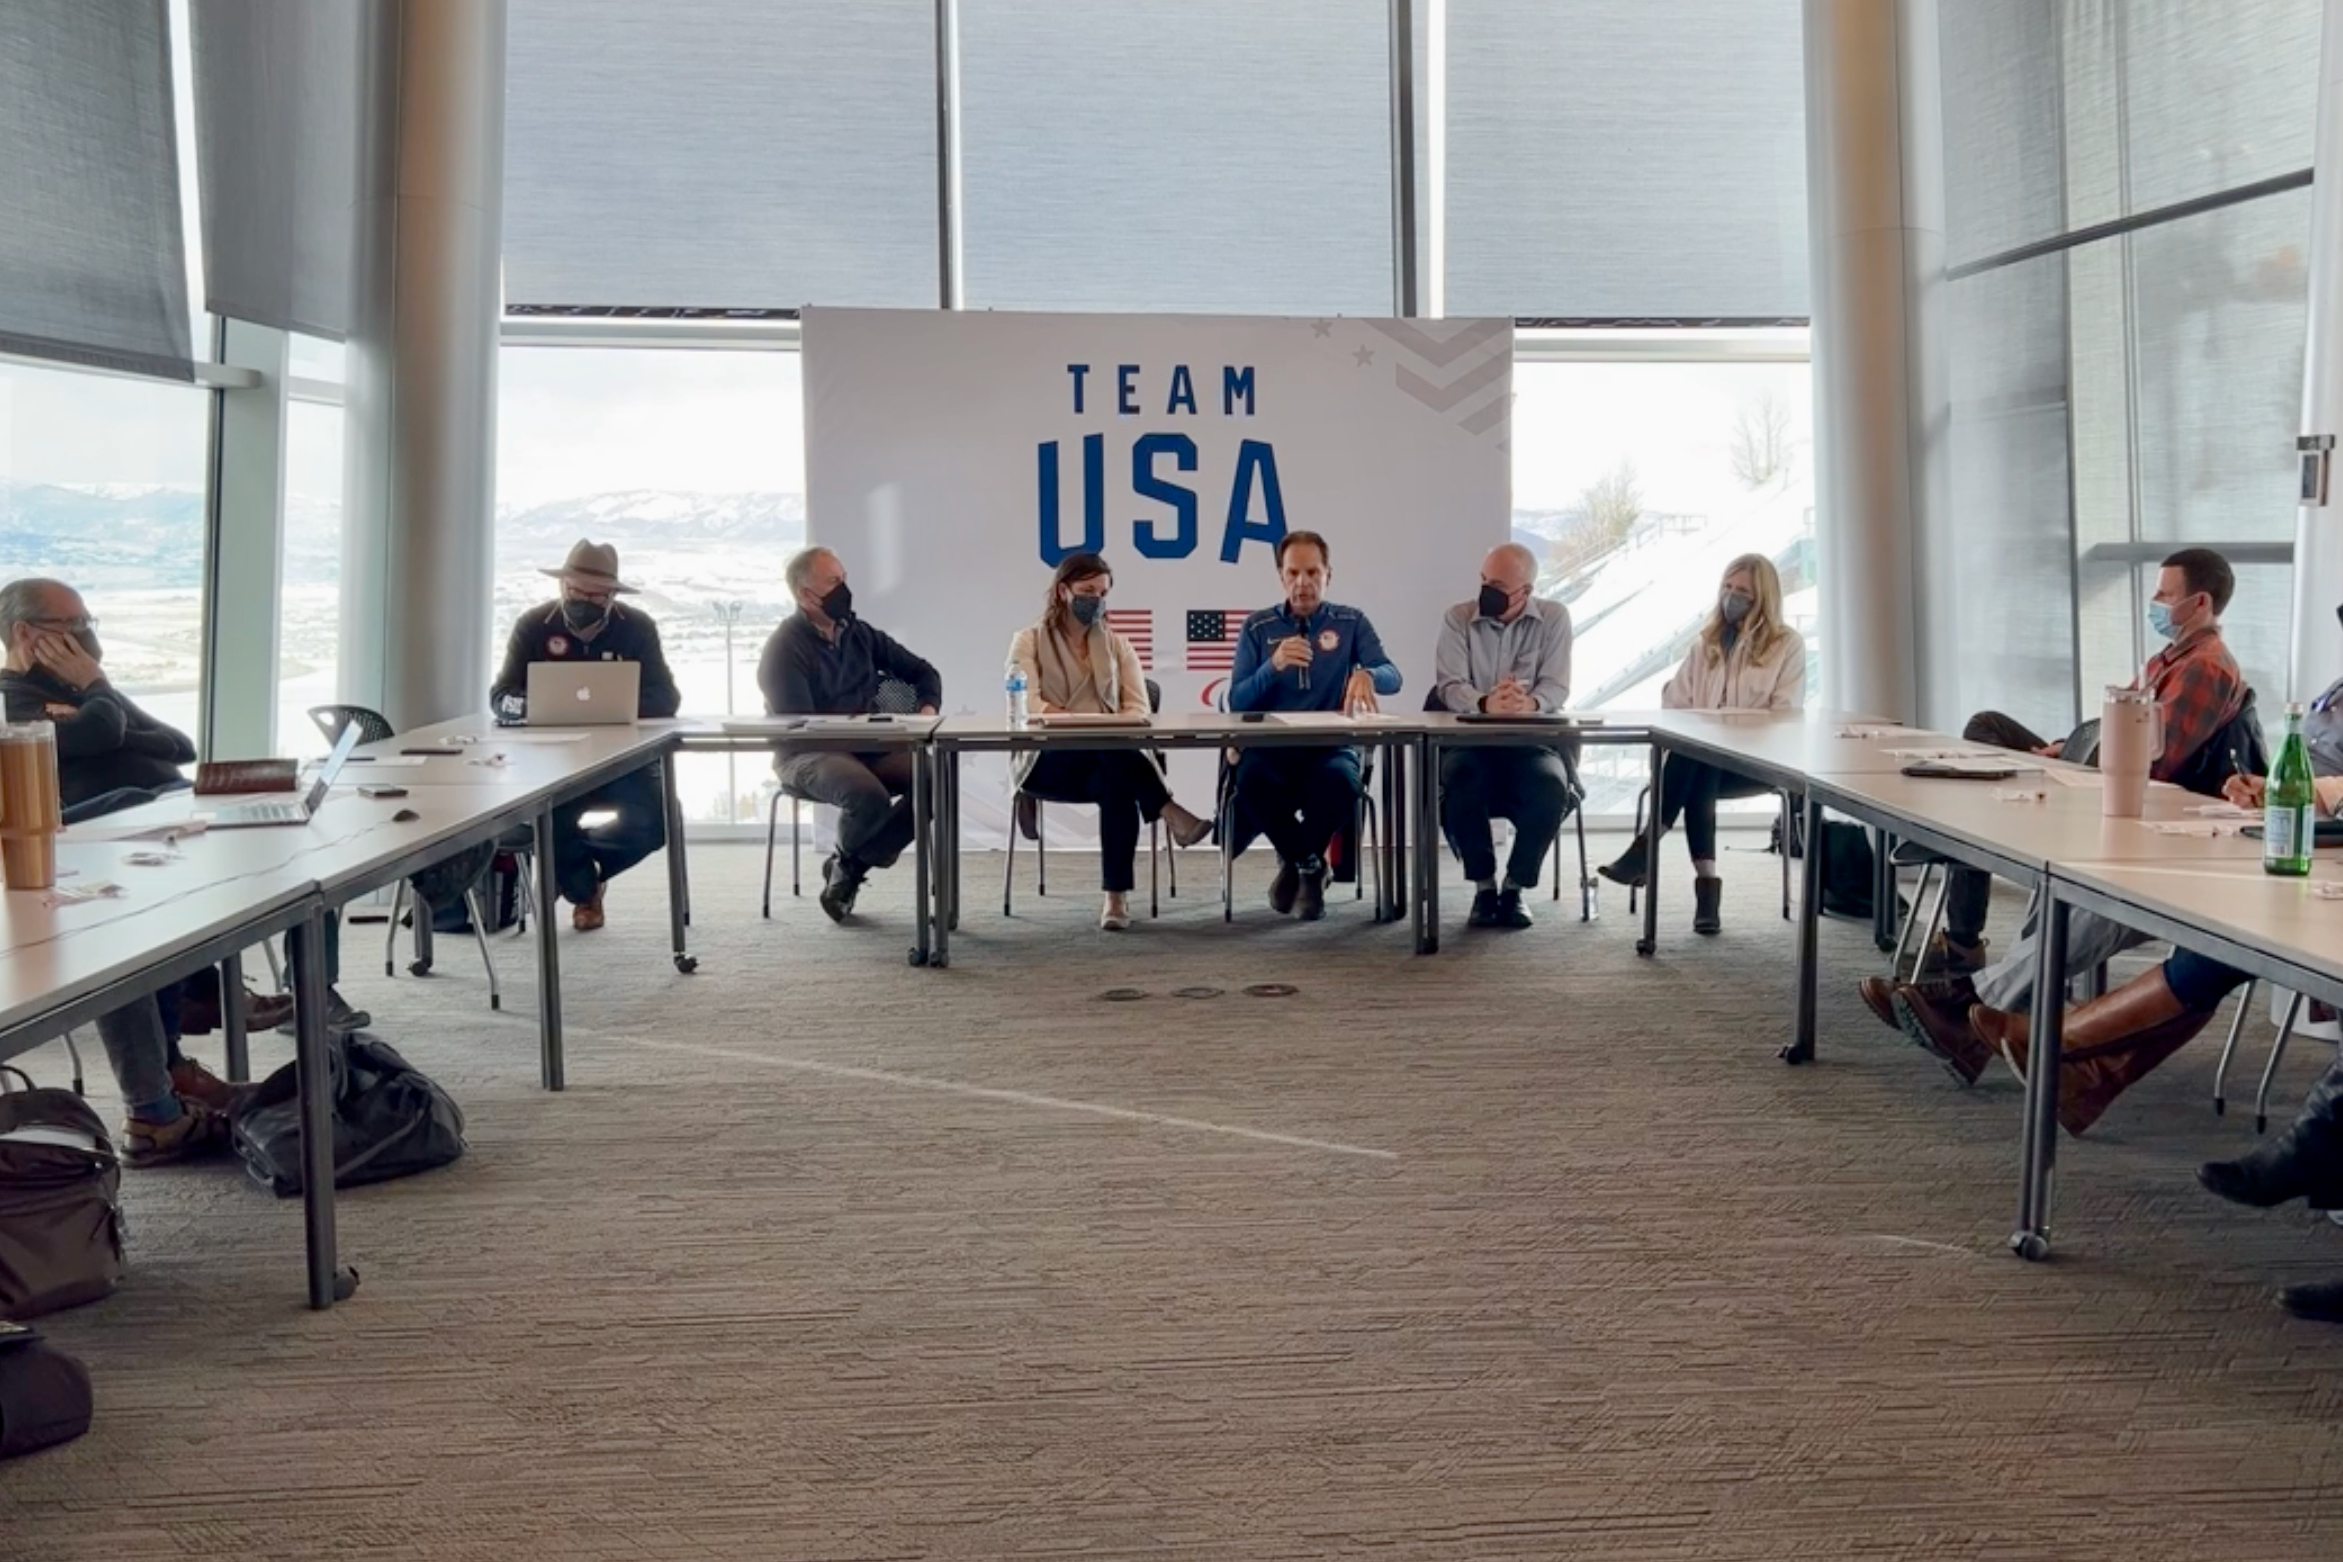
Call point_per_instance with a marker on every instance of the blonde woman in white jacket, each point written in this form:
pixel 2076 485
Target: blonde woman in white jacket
pixel 1745 658
pixel 1073 662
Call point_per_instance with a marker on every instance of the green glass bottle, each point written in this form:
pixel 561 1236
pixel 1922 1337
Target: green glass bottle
pixel 2290 805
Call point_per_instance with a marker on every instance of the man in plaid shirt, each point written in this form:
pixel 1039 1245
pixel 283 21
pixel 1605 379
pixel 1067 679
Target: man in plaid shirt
pixel 2199 692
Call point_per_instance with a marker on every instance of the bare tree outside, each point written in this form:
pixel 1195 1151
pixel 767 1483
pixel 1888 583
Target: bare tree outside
pixel 1601 520
pixel 1761 441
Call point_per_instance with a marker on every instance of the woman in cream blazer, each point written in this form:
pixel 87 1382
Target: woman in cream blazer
pixel 1744 658
pixel 1074 663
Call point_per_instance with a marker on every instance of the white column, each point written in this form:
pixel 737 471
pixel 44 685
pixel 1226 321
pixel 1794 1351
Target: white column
pixel 1875 206
pixel 420 470
pixel 2318 530
pixel 243 561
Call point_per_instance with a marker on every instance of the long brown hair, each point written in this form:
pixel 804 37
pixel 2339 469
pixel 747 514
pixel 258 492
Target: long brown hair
pixel 1764 624
pixel 1073 569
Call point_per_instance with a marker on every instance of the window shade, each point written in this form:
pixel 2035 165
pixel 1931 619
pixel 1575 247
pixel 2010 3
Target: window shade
pixel 1215 156
pixel 276 104
pixel 1627 159
pixel 720 153
pixel 92 267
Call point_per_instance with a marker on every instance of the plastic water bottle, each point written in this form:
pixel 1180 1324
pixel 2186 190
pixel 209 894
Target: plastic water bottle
pixel 1016 688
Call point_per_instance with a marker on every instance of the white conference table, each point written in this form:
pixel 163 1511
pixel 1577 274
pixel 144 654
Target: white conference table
pixel 63 965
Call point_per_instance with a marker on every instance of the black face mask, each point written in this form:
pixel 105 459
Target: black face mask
pixel 1086 609
pixel 838 603
pixel 1494 600
pixel 582 616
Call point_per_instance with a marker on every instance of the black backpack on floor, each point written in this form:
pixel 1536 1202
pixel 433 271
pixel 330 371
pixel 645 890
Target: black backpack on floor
pixel 44 1396
pixel 1848 865
pixel 60 1203
pixel 390 1120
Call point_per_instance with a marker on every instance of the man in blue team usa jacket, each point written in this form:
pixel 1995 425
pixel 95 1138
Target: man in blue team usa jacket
pixel 1305 654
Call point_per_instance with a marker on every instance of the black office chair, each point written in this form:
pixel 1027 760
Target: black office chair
pixel 1567 751
pixel 1041 835
pixel 894 698
pixel 410 898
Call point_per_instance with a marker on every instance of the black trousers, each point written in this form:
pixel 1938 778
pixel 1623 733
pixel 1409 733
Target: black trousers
pixel 1526 785
pixel 1123 783
pixel 1968 891
pixel 1298 797
pixel 1690 788
pixel 583 857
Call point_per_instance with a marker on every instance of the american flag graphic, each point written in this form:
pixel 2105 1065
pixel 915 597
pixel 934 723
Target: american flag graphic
pixel 1137 625
pixel 1212 638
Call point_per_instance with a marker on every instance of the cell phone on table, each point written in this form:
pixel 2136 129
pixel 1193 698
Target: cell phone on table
pixel 1253 715
pixel 382 791
pixel 16 1334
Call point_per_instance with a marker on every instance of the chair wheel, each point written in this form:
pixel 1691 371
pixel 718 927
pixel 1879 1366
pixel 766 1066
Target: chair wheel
pixel 1796 1052
pixel 687 963
pixel 496 1001
pixel 1645 947
pixel 2031 1246
pixel 419 968
pixel 915 957
pixel 345 1284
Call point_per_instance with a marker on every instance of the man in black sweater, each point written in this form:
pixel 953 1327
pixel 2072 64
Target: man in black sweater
pixel 111 754
pixel 587 623
pixel 824 661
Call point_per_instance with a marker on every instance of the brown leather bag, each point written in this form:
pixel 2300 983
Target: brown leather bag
pixel 60 1204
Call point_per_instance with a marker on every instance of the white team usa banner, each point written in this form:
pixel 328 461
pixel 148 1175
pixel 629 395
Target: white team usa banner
pixel 953 458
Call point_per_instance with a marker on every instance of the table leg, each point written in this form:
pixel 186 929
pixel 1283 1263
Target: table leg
pixel 1883 890
pixel 949 759
pixel 548 958
pixel 923 847
pixel 1427 792
pixel 232 1034
pixel 313 1072
pixel 1801 1047
pixel 679 891
pixel 1387 887
pixel 1650 942
pixel 2038 1143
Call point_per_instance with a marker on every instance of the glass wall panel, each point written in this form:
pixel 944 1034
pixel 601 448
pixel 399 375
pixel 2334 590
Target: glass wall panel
pixel 309 591
pixel 101 486
pixel 690 462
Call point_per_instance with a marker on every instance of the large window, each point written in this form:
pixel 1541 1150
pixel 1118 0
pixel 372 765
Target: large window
pixel 692 464
pixel 1637 484
pixel 101 486
pixel 2116 396
pixel 309 588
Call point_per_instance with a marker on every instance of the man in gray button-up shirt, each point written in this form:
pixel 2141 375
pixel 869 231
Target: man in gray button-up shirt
pixel 1506 652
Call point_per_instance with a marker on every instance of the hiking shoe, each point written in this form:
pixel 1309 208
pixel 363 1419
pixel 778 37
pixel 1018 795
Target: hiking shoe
pixel 1946 958
pixel 1285 888
pixel 196 1131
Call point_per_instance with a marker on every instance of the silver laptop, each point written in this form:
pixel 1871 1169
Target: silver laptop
pixel 292 810
pixel 584 694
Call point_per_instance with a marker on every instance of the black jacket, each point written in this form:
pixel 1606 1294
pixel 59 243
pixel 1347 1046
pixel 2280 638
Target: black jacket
pixel 803 674
pixel 628 635
pixel 104 742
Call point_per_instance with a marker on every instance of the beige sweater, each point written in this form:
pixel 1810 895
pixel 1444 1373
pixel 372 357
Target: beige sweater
pixel 1050 679
pixel 1740 681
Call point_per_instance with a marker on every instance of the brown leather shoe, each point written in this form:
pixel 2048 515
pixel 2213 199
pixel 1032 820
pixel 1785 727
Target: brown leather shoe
pixel 2101 1068
pixel 1941 1029
pixel 193 1082
pixel 586 915
pixel 1945 958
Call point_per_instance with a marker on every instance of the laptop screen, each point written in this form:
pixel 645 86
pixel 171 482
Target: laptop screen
pixel 331 770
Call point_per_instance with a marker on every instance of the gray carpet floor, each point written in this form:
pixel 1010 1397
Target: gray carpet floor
pixel 1529 1250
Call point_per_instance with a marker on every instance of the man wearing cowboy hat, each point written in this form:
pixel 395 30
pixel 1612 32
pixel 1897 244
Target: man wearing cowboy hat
pixel 588 624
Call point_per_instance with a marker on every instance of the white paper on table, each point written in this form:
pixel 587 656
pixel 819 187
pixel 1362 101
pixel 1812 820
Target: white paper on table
pixel 2200 829
pixel 517 735
pixel 2224 811
pixel 1868 733
pixel 2077 780
pixel 390 762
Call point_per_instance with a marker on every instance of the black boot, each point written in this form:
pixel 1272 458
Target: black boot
pixel 1630 867
pixel 1708 897
pixel 2321 1301
pixel 2306 1161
